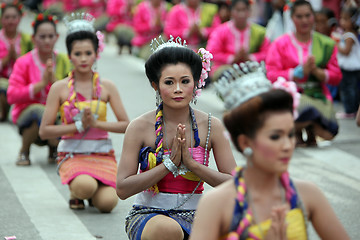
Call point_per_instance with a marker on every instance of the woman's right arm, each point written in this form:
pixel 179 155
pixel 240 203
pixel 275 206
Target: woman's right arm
pixel 48 129
pixel 129 182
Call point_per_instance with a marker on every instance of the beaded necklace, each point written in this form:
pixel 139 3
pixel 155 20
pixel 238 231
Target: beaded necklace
pixel 242 206
pixel 73 111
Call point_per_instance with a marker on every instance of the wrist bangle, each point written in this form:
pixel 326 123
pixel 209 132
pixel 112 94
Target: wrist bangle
pixel 79 126
pixel 170 165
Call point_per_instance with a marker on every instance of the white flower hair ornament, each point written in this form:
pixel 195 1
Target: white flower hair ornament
pixel 81 21
pixel 247 80
pixel 159 43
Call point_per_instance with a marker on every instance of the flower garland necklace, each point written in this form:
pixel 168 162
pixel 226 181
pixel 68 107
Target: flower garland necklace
pixel 72 111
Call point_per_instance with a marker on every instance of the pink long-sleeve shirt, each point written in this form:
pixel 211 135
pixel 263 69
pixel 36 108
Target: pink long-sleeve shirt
pixel 145 22
pixel 28 70
pixel 5 43
pixel 119 13
pixel 179 21
pixel 226 40
pixel 286 53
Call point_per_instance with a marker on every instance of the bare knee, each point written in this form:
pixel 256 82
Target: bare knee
pixel 162 227
pixel 83 186
pixel 105 199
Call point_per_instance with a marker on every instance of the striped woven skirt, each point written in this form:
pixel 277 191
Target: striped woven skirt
pixel 140 215
pixel 101 166
pixel 318 110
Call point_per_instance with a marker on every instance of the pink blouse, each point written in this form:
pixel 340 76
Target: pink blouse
pixel 145 20
pixel 226 40
pixel 119 13
pixel 286 53
pixel 28 70
pixel 5 43
pixel 179 21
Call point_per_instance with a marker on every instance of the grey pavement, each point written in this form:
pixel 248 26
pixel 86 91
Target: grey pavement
pixel 34 203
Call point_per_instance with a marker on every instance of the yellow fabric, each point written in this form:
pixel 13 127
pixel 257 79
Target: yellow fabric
pixel 296 229
pixel 81 105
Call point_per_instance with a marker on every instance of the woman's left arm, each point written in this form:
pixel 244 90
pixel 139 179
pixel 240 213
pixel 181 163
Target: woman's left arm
pixel 118 108
pixel 320 212
pixel 224 158
pixel 331 74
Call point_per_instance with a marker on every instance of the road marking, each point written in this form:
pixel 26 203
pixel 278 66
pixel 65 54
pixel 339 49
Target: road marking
pixel 45 206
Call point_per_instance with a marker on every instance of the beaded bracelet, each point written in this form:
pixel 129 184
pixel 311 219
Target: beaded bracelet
pixel 79 126
pixel 170 165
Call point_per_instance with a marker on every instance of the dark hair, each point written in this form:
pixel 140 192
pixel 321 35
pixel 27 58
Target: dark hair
pixel 81 35
pixel 37 23
pixel 299 3
pixel 234 2
pixel 250 116
pixel 172 55
pixel 330 15
pixel 5 6
pixel 354 13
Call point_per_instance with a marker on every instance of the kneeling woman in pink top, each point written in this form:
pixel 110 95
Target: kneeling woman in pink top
pixel 86 159
pixel 171 145
pixel 29 85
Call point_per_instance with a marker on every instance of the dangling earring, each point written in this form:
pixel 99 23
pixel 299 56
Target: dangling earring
pixel 248 152
pixel 158 98
pixel 194 97
pixel 94 66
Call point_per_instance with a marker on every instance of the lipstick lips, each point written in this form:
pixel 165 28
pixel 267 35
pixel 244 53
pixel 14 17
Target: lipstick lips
pixel 285 160
pixel 178 99
pixel 83 65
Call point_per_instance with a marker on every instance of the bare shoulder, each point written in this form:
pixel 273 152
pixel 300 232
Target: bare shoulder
pixel 60 84
pixel 108 85
pixel 306 187
pixel 144 122
pixel 203 118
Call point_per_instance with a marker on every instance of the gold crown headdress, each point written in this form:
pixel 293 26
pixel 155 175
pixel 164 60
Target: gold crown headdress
pixel 241 83
pixel 157 44
pixel 79 22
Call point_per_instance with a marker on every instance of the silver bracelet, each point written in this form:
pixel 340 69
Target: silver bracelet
pixel 170 165
pixel 79 126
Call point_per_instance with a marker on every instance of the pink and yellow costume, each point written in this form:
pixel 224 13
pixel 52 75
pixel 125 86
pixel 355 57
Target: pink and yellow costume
pixel 28 70
pixel 181 18
pixel 90 152
pixel 22 44
pixel 175 197
pixel 286 53
pixel 226 41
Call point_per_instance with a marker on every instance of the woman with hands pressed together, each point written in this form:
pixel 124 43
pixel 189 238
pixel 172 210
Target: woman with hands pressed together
pixel 30 82
pixel 13 44
pixel 86 160
pixel 309 59
pixel 172 145
pixel 262 201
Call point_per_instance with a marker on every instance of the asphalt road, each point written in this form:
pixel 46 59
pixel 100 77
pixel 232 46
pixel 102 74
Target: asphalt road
pixel 34 204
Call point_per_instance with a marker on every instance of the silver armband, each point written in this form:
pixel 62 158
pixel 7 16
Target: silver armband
pixel 170 165
pixel 79 126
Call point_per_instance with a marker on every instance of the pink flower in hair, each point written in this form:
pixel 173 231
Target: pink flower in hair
pixel 206 57
pixel 290 87
pixel 100 37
